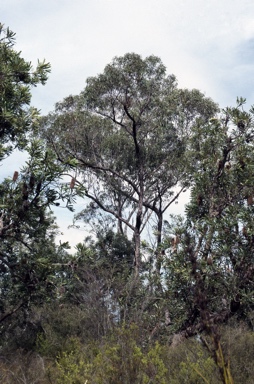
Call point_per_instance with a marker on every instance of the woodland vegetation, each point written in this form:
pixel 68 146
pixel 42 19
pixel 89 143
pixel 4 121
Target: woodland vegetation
pixel 148 296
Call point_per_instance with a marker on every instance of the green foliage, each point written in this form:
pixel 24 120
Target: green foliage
pixel 17 78
pixel 62 322
pixel 27 229
pixel 126 131
pixel 28 251
pixel 71 365
pixel 210 269
pixel 239 342
pixel 118 359
pixel 190 363
pixel 130 138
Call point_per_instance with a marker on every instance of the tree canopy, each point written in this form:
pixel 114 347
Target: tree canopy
pixel 127 133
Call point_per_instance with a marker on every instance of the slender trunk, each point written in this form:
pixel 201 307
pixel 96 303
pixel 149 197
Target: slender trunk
pixel 158 253
pixel 137 237
pixel 222 363
pixel 137 252
pixel 139 216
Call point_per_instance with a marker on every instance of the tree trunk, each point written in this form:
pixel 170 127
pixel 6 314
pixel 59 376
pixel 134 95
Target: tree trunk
pixel 137 237
pixel 158 253
pixel 223 365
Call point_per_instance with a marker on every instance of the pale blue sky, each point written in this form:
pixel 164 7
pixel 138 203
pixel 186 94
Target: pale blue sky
pixel 208 45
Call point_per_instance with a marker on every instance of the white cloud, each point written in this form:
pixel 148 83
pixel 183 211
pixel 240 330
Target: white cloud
pixel 195 39
pixel 248 27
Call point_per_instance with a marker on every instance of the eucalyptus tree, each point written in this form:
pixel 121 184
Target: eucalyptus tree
pixel 125 134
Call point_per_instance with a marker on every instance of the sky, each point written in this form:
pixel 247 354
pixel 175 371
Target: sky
pixel 208 45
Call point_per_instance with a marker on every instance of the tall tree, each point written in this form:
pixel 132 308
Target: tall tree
pixel 125 132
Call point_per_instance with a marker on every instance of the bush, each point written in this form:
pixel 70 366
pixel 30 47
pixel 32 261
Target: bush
pixel 240 345
pixel 116 360
pixel 191 363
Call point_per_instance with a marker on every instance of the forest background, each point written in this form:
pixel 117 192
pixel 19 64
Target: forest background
pixel 124 303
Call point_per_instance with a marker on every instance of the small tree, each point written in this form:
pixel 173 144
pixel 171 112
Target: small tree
pixel 209 271
pixel 27 229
